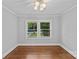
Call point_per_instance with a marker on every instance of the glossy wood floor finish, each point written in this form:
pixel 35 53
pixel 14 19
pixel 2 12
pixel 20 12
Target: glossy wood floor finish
pixel 39 52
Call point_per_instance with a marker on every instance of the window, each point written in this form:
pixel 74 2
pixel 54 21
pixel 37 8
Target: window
pixel 45 29
pixel 32 29
pixel 36 29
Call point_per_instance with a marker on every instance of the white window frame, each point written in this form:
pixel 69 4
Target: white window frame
pixel 38 29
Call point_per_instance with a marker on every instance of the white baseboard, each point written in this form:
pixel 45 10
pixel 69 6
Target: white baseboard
pixel 5 54
pixel 54 44
pixel 71 52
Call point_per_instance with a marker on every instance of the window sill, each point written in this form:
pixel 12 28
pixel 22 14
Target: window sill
pixel 39 38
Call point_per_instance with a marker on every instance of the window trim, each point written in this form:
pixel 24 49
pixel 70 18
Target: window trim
pixel 38 29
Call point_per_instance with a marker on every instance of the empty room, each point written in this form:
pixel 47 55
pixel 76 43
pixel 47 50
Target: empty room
pixel 39 29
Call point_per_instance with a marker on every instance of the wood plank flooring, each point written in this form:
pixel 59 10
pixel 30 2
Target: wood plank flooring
pixel 39 52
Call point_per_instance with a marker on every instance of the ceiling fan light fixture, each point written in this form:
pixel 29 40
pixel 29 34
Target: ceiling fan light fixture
pixel 37 3
pixel 43 5
pixel 40 4
pixel 45 1
pixel 41 9
pixel 35 8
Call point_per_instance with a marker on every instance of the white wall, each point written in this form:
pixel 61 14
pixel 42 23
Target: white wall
pixel 56 32
pixel 9 33
pixel 69 30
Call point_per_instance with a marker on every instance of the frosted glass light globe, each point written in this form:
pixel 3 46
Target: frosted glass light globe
pixel 41 9
pixel 43 5
pixel 35 7
pixel 37 3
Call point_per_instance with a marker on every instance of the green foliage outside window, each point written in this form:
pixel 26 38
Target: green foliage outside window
pixel 44 29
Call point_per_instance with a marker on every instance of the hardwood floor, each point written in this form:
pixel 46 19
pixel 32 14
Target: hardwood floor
pixel 39 52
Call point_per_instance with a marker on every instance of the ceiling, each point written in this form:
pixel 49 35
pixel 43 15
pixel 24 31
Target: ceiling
pixel 22 7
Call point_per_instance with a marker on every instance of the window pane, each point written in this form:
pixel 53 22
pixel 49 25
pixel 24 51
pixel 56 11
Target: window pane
pixel 45 32
pixel 32 25
pixel 32 30
pixel 44 25
pixel 32 34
